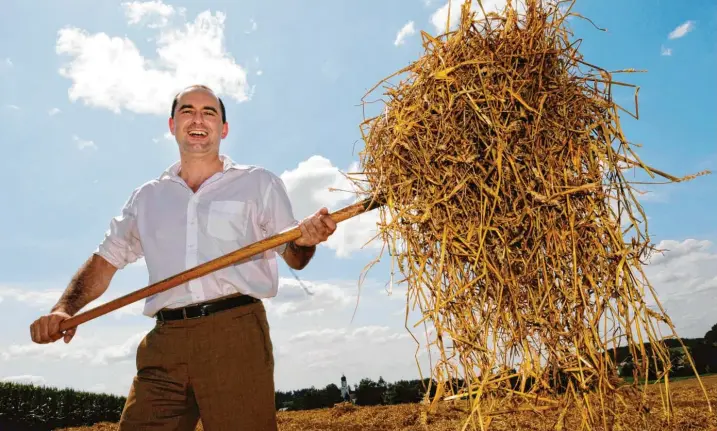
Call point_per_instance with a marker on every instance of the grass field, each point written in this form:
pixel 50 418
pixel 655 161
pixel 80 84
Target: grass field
pixel 691 414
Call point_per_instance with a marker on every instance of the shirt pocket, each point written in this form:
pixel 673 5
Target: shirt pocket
pixel 228 220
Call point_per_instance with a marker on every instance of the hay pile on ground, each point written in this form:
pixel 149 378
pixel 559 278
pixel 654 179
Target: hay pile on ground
pixel 500 161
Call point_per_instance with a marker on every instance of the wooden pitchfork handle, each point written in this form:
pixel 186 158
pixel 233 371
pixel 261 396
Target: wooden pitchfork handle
pixel 213 265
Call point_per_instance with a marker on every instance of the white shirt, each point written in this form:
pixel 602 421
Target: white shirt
pixel 175 229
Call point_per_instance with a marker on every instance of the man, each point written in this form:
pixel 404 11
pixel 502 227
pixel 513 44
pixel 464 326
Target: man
pixel 209 354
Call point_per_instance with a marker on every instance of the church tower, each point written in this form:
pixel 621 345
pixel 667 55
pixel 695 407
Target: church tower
pixel 345 394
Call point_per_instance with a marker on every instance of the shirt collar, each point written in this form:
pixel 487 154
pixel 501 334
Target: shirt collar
pixel 173 170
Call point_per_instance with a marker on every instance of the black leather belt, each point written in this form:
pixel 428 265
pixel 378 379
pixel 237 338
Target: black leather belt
pixel 201 310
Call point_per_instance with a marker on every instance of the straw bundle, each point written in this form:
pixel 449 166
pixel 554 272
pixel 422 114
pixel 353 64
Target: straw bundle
pixel 500 162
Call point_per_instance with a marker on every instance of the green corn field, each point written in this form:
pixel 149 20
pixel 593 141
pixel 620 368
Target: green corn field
pixel 29 407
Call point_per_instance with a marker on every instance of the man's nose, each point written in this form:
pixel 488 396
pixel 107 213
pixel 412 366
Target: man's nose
pixel 198 117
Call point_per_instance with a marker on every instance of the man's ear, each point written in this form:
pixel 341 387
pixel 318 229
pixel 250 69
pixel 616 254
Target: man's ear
pixel 225 130
pixel 171 125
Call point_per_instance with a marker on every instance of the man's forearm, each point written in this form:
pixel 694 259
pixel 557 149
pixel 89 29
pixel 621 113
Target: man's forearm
pixel 297 257
pixel 88 284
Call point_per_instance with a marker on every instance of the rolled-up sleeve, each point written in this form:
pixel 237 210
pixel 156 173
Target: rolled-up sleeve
pixel 277 213
pixel 121 245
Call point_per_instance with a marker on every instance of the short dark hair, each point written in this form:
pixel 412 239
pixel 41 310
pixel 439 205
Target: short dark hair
pixel 221 104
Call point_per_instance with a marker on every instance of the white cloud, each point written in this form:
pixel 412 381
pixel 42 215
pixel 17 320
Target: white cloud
pixel 138 11
pixel 405 31
pixel 309 187
pixel 685 279
pixel 666 51
pixel 355 234
pixel 53 111
pixel 370 331
pixel 8 62
pixel 45 299
pixel 121 352
pixel 34 298
pixel 253 26
pixel 53 351
pixel 392 338
pixel 167 136
pixel 25 379
pixel 13 107
pixel 341 350
pixel 334 336
pixel 324 336
pixel 82 143
pixel 109 72
pixel 294 299
pixel 98 388
pixel 441 15
pixel 671 250
pixel 89 350
pixel 681 30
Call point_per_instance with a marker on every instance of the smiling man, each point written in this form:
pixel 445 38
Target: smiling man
pixel 210 353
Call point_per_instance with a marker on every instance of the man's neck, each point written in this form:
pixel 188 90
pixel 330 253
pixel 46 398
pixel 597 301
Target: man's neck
pixel 195 170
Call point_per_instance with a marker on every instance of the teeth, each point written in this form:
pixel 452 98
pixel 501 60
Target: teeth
pixel 197 132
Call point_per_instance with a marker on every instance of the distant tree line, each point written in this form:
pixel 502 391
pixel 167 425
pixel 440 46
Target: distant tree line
pixel 38 408
pixel 366 393
pixel 702 350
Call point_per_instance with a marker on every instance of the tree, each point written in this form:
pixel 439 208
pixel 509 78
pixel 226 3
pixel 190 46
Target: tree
pixel 711 336
pixel 370 393
pixel 283 399
pixel 331 395
pixel 404 391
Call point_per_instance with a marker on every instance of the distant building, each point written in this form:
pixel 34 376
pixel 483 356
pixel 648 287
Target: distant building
pixel 346 394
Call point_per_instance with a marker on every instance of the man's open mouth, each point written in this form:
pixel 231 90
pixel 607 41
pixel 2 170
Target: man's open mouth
pixel 197 133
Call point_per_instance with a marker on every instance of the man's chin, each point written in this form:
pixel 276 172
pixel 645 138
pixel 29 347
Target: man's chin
pixel 198 147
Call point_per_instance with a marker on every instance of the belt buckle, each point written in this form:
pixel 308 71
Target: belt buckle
pixel 202 313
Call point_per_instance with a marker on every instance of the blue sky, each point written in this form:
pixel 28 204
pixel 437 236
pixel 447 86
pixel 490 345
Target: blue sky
pixel 85 97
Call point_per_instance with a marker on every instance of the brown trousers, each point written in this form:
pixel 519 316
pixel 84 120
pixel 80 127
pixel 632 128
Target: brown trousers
pixel 219 368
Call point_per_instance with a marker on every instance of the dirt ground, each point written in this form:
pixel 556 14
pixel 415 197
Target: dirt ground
pixel 691 413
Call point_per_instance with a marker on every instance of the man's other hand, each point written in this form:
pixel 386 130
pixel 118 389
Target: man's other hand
pixel 46 329
pixel 316 228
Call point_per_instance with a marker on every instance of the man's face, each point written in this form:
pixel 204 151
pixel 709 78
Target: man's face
pixel 197 123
